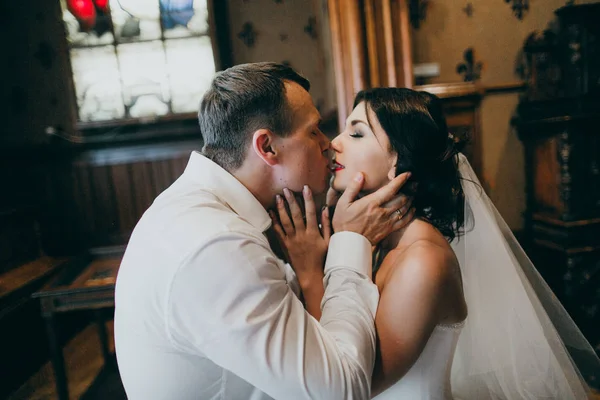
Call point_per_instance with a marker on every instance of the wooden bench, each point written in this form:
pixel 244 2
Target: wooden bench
pixel 87 283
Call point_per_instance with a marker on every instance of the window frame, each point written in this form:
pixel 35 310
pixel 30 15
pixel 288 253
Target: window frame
pixel 172 124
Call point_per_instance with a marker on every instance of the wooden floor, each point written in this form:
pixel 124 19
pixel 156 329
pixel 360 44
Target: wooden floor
pixel 84 365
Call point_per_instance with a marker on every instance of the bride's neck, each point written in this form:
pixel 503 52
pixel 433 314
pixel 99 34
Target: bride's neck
pixel 400 238
pixel 394 239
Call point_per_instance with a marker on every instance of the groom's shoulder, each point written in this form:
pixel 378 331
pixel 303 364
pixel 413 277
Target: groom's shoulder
pixel 196 212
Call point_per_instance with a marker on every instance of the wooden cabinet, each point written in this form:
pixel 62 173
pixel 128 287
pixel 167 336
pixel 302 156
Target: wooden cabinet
pixel 558 122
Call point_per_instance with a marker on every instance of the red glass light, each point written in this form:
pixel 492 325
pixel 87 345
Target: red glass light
pixel 102 5
pixel 84 11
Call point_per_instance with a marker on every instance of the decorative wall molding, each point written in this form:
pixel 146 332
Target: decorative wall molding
pixel 467 89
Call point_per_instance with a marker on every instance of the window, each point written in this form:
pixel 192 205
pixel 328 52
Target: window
pixel 138 59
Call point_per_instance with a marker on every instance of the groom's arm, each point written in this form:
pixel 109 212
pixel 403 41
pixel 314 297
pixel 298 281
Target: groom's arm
pixel 231 304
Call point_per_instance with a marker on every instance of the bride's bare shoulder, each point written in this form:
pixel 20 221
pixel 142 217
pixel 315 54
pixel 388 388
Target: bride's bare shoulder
pixel 424 259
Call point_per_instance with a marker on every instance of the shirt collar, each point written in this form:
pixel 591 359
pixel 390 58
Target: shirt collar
pixel 228 189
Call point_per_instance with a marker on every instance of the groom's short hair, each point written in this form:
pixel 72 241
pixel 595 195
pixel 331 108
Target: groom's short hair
pixel 241 100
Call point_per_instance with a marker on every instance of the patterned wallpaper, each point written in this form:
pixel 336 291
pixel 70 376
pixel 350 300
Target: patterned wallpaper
pixel 489 28
pixel 482 40
pixel 287 31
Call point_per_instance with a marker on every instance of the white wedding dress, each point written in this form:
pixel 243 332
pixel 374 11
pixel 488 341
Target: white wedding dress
pixel 517 342
pixel 429 377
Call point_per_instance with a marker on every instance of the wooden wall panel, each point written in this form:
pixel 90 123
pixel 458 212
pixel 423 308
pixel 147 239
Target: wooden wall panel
pixel 60 210
pixel 121 180
pixel 162 174
pixel 142 187
pixel 179 165
pixel 83 195
pixel 97 199
pixel 105 200
pixel 370 46
pixel 402 42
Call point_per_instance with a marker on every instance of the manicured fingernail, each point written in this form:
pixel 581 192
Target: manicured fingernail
pixel 306 190
pixel 287 192
pixel 358 177
pixel 278 199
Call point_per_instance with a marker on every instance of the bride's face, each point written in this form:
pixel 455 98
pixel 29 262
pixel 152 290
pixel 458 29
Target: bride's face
pixel 363 148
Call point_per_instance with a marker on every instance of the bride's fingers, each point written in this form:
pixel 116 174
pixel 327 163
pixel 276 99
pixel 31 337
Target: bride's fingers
pixel 284 218
pixel 294 209
pixel 277 226
pixel 325 224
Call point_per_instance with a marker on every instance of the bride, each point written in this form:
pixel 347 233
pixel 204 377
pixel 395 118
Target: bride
pixel 463 313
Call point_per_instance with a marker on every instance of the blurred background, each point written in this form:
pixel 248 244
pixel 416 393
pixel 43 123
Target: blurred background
pixel 98 104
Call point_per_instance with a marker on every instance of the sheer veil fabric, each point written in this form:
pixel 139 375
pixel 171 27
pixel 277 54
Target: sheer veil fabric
pixel 518 341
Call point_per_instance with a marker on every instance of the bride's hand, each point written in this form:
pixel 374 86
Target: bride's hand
pixel 303 241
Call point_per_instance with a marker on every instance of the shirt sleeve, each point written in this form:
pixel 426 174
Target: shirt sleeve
pixel 292 280
pixel 230 302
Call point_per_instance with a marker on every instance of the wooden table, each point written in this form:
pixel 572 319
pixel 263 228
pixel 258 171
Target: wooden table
pixel 86 283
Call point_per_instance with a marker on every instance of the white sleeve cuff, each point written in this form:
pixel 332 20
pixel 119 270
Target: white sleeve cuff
pixel 350 251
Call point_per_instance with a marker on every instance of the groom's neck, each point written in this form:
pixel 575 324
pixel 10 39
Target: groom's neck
pixel 258 182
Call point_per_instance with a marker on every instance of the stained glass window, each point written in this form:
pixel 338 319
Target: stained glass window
pixel 138 58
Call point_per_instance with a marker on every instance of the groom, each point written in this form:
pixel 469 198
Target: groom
pixel 204 309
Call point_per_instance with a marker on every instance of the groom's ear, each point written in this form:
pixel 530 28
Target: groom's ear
pixel 263 145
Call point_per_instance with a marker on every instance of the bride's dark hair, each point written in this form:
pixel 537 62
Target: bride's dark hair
pixel 417 130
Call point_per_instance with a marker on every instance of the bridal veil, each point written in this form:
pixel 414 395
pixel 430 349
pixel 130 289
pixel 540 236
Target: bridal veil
pixel 518 341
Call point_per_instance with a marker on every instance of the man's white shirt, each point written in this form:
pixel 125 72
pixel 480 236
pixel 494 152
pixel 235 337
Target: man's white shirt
pixel 206 310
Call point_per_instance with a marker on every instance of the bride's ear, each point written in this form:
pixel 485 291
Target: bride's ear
pixel 263 146
pixel 392 171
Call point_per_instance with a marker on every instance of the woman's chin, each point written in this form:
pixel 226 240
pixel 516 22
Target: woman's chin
pixel 338 184
pixel 341 181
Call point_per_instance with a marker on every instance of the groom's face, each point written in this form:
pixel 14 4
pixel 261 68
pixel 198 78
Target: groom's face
pixel 305 151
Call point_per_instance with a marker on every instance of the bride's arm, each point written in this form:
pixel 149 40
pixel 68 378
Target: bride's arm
pixel 408 312
pixel 305 244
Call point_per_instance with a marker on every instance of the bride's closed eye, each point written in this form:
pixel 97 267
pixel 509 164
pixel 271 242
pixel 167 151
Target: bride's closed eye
pixel 356 134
